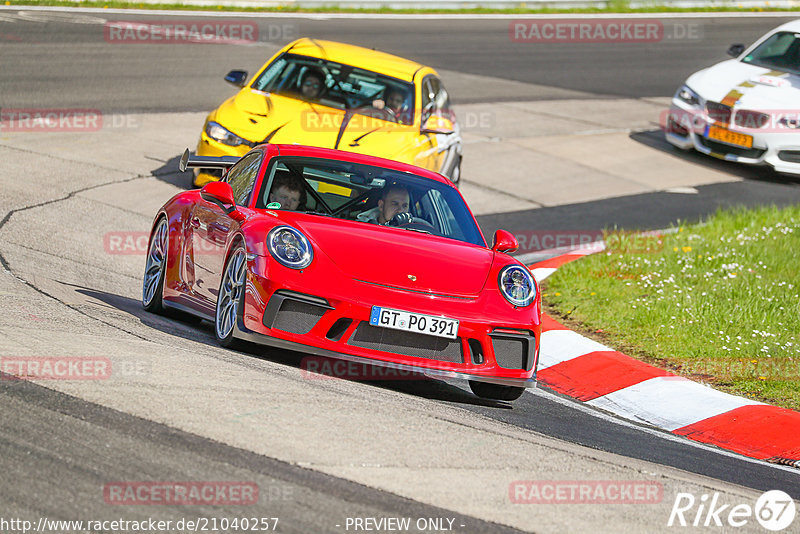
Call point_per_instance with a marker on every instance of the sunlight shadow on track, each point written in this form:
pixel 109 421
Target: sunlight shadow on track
pixel 169 173
pixel 187 328
pixel 655 140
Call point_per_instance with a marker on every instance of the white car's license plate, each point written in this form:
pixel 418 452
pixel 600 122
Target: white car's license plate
pixel 414 322
pixel 729 137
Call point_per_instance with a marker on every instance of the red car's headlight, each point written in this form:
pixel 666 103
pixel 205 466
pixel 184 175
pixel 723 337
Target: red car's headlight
pixel 290 247
pixel 517 285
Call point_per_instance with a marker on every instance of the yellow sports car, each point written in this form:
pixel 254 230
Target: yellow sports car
pixel 334 95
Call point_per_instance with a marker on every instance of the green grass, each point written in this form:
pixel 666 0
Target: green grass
pixel 613 6
pixel 718 302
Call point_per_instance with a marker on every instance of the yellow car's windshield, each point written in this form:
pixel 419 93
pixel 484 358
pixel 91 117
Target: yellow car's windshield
pixel 339 86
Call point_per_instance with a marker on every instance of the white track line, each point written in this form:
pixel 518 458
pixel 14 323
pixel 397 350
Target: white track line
pixel 540 273
pixel 558 346
pixel 669 402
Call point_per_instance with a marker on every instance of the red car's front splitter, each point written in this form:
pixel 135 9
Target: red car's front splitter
pixel 262 339
pixel 341 330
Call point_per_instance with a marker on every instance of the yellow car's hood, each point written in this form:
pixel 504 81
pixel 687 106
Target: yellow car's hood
pixel 261 117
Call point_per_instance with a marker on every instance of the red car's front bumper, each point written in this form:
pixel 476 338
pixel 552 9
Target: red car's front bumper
pixel 496 342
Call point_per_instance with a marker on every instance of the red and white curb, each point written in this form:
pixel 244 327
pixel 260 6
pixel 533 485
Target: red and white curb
pixel 599 376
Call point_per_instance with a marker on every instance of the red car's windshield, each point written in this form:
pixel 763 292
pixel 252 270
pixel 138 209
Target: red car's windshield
pixel 372 195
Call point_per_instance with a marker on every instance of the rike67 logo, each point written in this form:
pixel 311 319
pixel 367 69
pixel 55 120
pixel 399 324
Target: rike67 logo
pixel 774 510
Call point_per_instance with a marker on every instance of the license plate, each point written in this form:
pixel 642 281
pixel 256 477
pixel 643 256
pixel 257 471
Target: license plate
pixel 729 137
pixel 414 322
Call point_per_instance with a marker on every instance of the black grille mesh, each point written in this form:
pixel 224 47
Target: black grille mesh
pixel 297 317
pixel 407 343
pixel 509 353
pixel 792 156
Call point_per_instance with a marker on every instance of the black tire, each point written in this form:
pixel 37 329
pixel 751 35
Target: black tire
pixel 485 390
pixel 155 266
pixel 230 297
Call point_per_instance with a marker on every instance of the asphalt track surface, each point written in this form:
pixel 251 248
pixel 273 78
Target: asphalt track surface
pixel 70 65
pixel 59 64
pixel 33 457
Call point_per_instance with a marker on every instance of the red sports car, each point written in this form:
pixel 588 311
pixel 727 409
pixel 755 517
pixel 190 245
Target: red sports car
pixel 347 256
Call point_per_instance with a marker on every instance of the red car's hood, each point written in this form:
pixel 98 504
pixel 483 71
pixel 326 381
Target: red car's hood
pixel 400 258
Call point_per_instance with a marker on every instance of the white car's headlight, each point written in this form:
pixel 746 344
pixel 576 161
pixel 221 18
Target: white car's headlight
pixel 219 133
pixel 686 94
pixel 517 285
pixel 290 247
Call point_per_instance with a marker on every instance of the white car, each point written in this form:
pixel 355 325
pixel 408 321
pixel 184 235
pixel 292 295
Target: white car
pixel 745 109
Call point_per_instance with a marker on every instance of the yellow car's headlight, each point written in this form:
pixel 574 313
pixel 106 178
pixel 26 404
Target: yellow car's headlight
pixel 219 133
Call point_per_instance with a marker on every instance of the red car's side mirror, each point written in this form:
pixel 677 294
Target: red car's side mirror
pixel 221 194
pixel 504 242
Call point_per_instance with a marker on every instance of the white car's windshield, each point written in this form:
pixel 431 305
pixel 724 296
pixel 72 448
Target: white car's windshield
pixel 780 51
pixel 339 86
pixel 372 195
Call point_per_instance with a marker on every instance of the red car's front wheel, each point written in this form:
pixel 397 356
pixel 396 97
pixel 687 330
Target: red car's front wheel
pixel 229 298
pixel 495 391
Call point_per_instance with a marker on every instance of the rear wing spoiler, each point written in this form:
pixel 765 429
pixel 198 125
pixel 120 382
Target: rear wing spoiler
pixel 189 160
